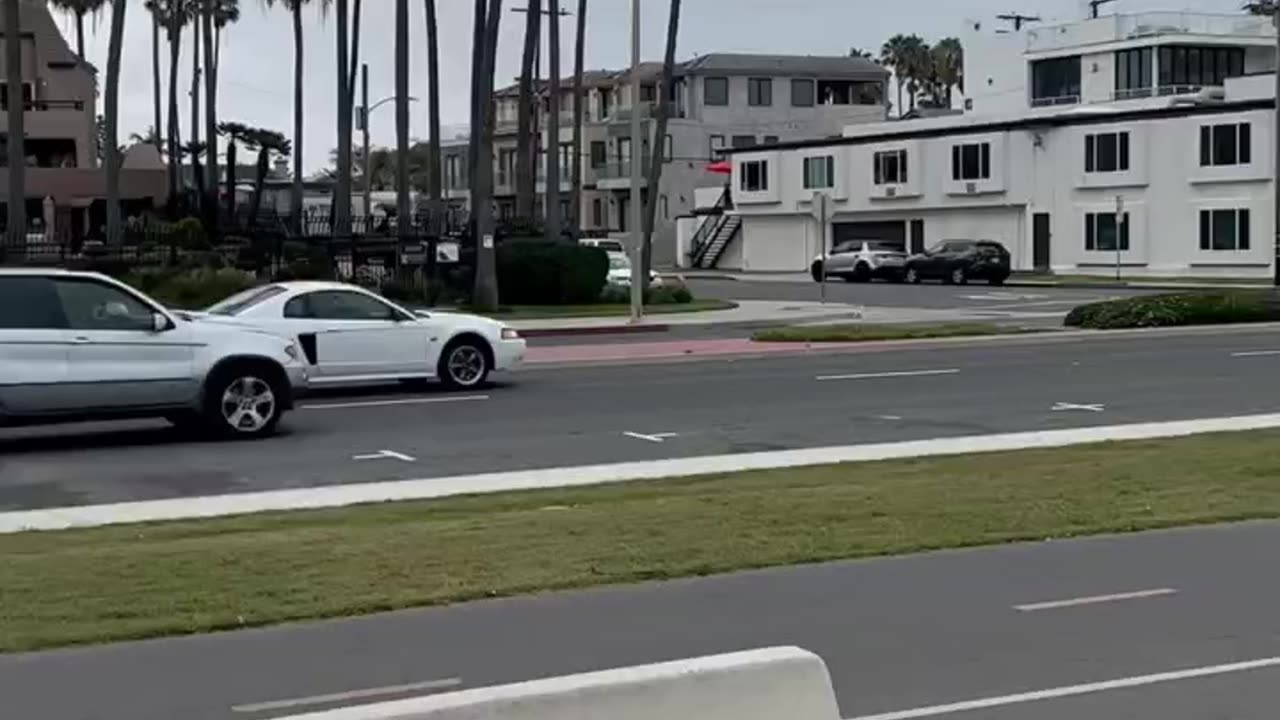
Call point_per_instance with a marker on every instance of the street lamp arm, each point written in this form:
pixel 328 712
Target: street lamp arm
pixel 384 101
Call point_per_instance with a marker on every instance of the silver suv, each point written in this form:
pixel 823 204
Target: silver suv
pixel 81 346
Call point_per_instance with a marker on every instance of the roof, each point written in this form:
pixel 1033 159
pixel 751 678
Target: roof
pixel 833 66
pixel 590 79
pixel 898 130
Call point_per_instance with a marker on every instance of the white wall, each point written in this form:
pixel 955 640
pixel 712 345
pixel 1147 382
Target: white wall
pixel 1036 171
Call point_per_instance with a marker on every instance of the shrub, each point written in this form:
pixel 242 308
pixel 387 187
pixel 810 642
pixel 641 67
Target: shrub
pixel 1193 308
pixel 404 290
pixel 615 294
pixel 190 289
pixel 550 274
pixel 188 234
pixel 668 295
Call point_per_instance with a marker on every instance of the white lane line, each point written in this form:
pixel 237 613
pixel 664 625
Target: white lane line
pixel 402 401
pixel 1094 600
pixel 1059 407
pixel 349 695
pixel 892 374
pixel 652 437
pixel 1071 690
pixel 386 455
pixel 1255 353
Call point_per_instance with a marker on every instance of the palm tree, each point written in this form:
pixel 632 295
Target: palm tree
pixel 150 137
pixel 174 15
pixel 235 133
pixel 947 59
pixel 658 146
pixel 154 11
pixel 17 152
pixel 917 66
pixel 893 55
pixel 552 195
pixel 858 52
pixel 267 143
pixel 434 180
pixel 78 9
pixel 579 99
pixel 111 106
pixel 1262 7
pixel 483 59
pixel 526 163
pixel 341 221
pixel 356 13
pixel 403 211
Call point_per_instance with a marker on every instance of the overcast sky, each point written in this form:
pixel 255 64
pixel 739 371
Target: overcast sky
pixel 255 86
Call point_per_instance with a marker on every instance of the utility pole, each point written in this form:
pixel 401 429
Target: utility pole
pixel 1018 19
pixel 364 149
pixel 638 283
pixel 1275 148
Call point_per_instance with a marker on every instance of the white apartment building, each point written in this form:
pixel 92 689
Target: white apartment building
pixel 1143 141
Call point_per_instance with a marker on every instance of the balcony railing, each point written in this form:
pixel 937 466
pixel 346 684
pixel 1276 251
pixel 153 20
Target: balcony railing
pixel 1052 101
pixel 621 170
pixel 47 105
pixel 1149 24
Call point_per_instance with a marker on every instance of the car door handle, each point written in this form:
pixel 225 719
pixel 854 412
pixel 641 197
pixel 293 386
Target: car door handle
pixel 80 340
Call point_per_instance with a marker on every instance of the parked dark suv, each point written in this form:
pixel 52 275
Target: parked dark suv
pixel 959 261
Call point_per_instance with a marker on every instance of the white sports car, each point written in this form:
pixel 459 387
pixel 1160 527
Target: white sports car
pixel 351 336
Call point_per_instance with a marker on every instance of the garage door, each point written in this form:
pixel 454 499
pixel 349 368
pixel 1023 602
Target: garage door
pixel 888 231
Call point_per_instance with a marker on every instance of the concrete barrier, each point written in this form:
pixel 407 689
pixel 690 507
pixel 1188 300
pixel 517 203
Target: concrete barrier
pixel 782 683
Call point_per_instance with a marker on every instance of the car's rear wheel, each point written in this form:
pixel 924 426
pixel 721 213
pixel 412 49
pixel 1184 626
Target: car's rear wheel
pixel 815 270
pixel 243 401
pixel 861 273
pixel 912 276
pixel 465 363
pixel 958 276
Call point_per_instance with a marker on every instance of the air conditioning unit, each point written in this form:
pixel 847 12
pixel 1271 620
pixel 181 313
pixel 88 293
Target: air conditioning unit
pixel 891 191
pixel 971 188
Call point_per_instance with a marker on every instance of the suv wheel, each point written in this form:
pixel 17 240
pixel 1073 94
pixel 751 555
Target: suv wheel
pixel 464 364
pixel 243 401
pixel 911 275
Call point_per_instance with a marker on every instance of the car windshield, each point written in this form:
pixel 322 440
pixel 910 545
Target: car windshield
pixel 884 247
pixel 610 246
pixel 618 262
pixel 244 300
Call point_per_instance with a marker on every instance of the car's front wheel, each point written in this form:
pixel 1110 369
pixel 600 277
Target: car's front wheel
pixel 861 273
pixel 911 275
pixel 465 363
pixel 958 277
pixel 243 401
pixel 815 270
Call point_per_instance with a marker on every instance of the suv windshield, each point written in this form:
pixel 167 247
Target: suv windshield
pixel 244 300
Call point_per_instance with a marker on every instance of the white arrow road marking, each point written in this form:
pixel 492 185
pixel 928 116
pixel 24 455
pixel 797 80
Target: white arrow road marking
pixel 652 437
pixel 1059 407
pixel 349 695
pixel 386 455
pixel 1094 600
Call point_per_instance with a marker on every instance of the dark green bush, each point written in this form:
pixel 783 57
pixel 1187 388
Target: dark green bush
pixel 1192 308
pixel 190 289
pixel 668 295
pixel 550 274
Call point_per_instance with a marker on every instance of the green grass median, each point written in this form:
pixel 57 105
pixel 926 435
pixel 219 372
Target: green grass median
pixel 859 332
pixel 114 583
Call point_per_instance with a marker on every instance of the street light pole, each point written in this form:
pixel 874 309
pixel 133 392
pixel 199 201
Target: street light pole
pixel 638 283
pixel 1275 167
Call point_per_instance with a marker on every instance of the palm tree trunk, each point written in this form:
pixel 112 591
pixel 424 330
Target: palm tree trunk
pixel 211 115
pixel 403 211
pixel 434 179
pixel 553 123
pixel 231 177
pixel 579 98
pixel 155 80
pixel 175 157
pixel 658 146
pixel 526 184
pixel 195 84
pixel 295 193
pixel 80 33
pixel 17 220
pixel 111 109
pixel 259 181
pixel 484 57
pixel 342 184
pixel 356 12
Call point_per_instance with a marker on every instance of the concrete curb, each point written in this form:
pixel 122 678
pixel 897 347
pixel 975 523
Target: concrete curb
pixel 1131 285
pixel 332 496
pixel 596 330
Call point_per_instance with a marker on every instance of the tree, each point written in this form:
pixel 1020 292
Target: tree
pixel 552 197
pixel 17 219
pixel 917 66
pixel 658 146
pixel 194 149
pixel 579 100
pixel 1261 7
pixel 174 15
pixel 150 137
pixel 526 160
pixel 78 9
pixel 111 106
pixel 434 181
pixel 404 212
pixel 153 10
pixel 901 53
pixel 858 52
pixel 947 61
pixel 214 16
pixel 267 143
pixel 235 133
pixel 483 61
pixel 342 188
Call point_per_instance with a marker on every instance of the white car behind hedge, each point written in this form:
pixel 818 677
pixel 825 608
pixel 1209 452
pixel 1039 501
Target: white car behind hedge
pixel 351 336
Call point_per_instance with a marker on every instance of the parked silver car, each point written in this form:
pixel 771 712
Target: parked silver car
pixel 82 346
pixel 861 261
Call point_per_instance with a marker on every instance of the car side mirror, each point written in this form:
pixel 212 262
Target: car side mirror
pixel 160 323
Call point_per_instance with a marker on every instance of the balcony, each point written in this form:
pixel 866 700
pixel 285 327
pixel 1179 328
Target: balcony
pixel 617 175
pixel 1116 28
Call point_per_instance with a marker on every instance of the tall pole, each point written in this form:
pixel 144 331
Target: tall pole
pixel 364 149
pixel 638 283
pixel 1275 167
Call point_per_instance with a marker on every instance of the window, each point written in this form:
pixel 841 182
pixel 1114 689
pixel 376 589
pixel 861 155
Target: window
pixel 244 300
pixel 667 148
pixel 506 163
pixel 1055 81
pixel 715 90
pixel 599 153
pixel 717 144
pixel 760 92
pixel 971 161
pixel 566 160
pixel 27 95
pixel 770 140
pixel 1133 73
pixel 648 93
pixel 1186 68
pixel 90 305
pixel 819 172
pixel 804 93
pixel 606 103
pixel 743 141
pixel 340 305
pixel 29 303
pixel 1106 152
pixel 1102 233
pixel 755 176
pixel 890 167
pixel 1225 144
pixel 665 208
pixel 1224 230
pixel 597 213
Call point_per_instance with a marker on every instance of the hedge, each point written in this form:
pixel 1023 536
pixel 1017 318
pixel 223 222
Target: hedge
pixel 190 289
pixel 536 273
pixel 1190 308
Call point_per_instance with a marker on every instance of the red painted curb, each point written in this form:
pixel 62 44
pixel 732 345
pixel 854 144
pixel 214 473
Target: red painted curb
pixel 602 330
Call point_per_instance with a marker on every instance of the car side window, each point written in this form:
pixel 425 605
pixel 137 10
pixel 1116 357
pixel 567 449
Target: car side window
pixel 91 305
pixel 30 303
pixel 345 305
pixel 298 307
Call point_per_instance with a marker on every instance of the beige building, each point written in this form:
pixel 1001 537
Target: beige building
pixel 65 186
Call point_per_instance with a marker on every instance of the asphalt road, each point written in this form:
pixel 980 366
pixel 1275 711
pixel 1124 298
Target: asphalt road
pixel 897 634
pixel 576 416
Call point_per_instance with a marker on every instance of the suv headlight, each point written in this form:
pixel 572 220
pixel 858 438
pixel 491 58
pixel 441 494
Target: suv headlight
pixel 510 334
